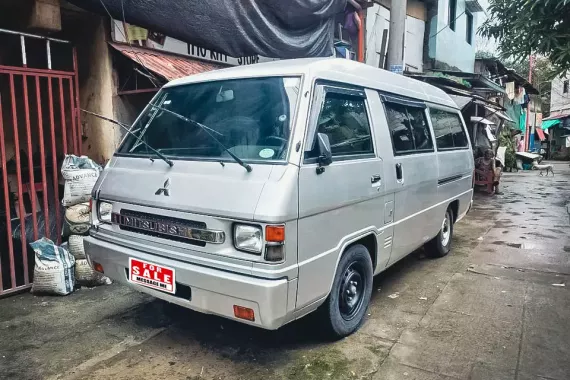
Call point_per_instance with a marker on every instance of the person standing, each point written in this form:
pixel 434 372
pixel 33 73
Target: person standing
pixel 520 145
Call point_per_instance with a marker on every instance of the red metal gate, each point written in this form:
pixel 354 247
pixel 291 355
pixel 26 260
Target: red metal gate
pixel 39 124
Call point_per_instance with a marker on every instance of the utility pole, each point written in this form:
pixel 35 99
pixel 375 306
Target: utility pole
pixel 527 129
pixel 396 38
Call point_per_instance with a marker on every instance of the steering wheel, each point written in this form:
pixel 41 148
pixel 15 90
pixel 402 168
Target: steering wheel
pixel 283 141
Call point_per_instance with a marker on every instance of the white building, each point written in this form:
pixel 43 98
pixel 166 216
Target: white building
pixel 439 35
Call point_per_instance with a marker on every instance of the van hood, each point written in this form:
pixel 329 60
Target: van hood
pixel 209 188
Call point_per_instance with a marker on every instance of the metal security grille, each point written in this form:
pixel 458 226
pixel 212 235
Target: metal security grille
pixel 39 124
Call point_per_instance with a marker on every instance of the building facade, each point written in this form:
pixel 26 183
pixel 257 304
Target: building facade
pixel 558 122
pixel 377 34
pixel 451 34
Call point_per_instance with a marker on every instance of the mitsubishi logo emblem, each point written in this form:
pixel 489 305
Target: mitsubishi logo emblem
pixel 164 189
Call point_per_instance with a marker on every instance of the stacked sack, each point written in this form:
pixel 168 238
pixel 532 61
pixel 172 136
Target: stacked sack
pixel 53 269
pixel 80 175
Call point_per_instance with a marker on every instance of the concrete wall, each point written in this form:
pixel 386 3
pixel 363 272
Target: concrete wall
pixel 448 49
pixel 558 99
pixel 96 88
pixel 378 19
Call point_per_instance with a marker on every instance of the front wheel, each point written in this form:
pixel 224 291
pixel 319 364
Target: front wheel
pixel 346 306
pixel 440 245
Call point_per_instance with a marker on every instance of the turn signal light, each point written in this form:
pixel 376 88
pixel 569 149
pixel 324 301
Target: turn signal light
pixel 98 267
pixel 275 234
pixel 244 313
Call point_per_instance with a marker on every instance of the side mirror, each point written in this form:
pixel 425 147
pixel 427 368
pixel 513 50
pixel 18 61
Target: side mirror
pixel 324 146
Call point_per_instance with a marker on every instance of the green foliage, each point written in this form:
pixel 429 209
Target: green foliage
pixel 506 140
pixel 483 54
pixel 522 27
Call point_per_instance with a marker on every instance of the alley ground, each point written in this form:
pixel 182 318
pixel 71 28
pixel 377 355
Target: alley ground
pixel 498 307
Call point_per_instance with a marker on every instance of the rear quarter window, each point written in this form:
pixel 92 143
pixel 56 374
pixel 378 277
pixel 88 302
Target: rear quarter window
pixel 448 130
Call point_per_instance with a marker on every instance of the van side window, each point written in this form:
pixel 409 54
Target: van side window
pixel 448 129
pixel 344 119
pixel 422 135
pixel 408 129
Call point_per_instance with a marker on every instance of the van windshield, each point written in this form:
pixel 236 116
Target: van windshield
pixel 250 117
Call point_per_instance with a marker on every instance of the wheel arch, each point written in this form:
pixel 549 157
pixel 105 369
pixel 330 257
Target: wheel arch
pixel 369 240
pixel 454 206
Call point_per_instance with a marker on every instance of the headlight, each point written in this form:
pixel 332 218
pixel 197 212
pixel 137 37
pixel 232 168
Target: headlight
pixel 104 212
pixel 248 238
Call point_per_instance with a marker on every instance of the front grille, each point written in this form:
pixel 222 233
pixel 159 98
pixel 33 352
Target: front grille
pixel 159 226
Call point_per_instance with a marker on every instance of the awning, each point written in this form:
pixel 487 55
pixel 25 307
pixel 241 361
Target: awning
pixel 474 81
pixel 463 97
pixel 558 115
pixel 499 114
pixel 168 66
pixel 530 156
pixel 482 120
pixel 498 69
pixel 549 123
pixel 540 134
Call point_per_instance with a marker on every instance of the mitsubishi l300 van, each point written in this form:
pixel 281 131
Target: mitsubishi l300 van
pixel 266 192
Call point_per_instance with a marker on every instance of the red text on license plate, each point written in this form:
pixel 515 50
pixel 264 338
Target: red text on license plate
pixel 151 275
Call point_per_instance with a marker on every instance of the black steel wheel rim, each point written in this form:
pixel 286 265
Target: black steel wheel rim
pixel 351 292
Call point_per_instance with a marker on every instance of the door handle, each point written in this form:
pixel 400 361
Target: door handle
pixel 399 172
pixel 375 178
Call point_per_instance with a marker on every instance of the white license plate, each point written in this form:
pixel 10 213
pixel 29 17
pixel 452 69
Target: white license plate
pixel 152 275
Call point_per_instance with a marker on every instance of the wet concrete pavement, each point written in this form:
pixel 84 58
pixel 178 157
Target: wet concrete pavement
pixel 498 307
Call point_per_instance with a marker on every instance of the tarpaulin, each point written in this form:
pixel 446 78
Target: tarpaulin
pixel 549 123
pixel 270 28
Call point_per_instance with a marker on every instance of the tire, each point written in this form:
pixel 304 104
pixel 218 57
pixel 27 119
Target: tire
pixel 440 245
pixel 345 308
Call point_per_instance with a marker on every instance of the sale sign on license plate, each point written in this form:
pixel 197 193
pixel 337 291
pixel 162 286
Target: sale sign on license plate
pixel 151 275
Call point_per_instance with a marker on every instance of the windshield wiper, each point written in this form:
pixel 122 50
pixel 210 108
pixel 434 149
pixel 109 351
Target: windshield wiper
pixel 208 131
pixel 126 128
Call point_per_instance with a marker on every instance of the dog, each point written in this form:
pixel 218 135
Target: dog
pixel 542 168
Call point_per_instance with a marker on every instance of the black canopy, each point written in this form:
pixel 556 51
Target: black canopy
pixel 270 28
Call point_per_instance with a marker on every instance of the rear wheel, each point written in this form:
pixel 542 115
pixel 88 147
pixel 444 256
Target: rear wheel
pixel 346 306
pixel 441 244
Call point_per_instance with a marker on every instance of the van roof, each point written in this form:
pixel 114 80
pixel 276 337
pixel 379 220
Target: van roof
pixel 333 69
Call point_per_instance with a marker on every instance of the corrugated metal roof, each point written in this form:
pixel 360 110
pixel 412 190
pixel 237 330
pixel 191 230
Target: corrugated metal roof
pixel 168 66
pixel 555 115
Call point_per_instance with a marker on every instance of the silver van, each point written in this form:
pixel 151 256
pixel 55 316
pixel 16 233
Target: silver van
pixel 263 193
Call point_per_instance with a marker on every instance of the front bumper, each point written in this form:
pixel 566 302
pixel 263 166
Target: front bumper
pixel 213 291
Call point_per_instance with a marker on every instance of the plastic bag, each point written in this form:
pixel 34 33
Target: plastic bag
pixel 80 174
pixel 86 276
pixel 51 232
pixel 53 270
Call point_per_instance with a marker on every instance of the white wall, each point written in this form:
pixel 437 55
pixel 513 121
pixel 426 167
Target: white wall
pixel 558 99
pixel 378 19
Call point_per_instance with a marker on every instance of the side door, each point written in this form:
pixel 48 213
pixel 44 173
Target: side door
pixel 455 159
pixel 344 200
pixel 415 166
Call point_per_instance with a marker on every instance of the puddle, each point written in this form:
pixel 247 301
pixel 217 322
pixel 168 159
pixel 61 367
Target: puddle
pixel 525 245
